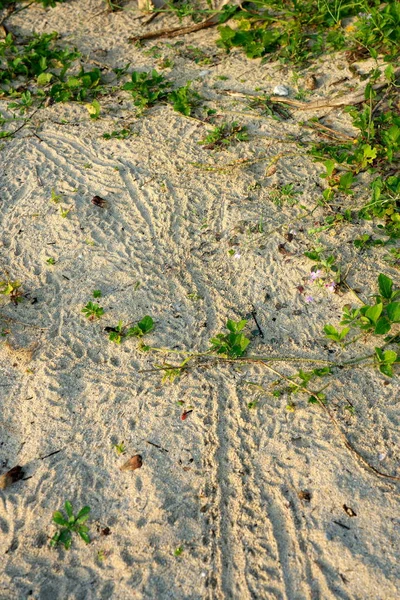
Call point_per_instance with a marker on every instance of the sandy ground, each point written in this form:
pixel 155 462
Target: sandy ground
pixel 227 484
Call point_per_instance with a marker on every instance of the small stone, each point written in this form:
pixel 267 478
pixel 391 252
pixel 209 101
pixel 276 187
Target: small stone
pixel 281 90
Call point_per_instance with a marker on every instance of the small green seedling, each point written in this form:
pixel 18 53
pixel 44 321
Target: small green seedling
pixel 93 311
pixel 120 448
pixel 232 344
pixel 334 334
pixel 178 551
pixel 11 289
pixel 70 525
pixel 64 212
pixel 96 293
pixel 120 331
pixel 51 261
pixel 56 198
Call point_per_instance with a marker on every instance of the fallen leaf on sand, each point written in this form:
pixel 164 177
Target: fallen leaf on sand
pixel 13 475
pixel 133 463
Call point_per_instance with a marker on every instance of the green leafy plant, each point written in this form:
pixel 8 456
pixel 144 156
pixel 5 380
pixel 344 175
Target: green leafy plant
pixel 120 331
pixel 12 289
pixel 147 88
pixel 385 359
pixel 334 334
pixel 184 99
pixel 225 134
pixel 93 311
pixel 379 317
pixel 69 525
pixel 232 344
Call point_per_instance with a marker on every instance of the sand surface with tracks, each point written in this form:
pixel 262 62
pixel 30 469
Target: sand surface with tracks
pixel 255 497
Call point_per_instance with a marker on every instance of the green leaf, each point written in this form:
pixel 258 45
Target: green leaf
pixel 390 356
pixel 59 518
pixel 44 78
pixel 83 515
pixel 146 324
pixel 68 509
pixel 385 286
pixel 393 311
pixel 382 326
pixel 386 369
pixel 84 536
pixel 373 312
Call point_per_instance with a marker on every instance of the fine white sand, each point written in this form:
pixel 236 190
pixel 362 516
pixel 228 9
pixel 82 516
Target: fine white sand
pixel 228 483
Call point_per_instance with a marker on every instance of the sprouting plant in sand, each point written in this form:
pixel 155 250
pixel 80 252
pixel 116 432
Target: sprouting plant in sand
pixel 93 311
pixel 284 195
pixel 225 134
pixel 69 525
pixel 121 331
pixel 119 448
pixel 12 289
pixel 232 344
pixel 147 88
pixel 184 99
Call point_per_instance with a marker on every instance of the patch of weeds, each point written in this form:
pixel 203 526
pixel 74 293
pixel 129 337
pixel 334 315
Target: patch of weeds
pixel 268 107
pixel 71 524
pixel 393 257
pixel 93 311
pixel 377 318
pixel 119 134
pixel 296 31
pixel 323 266
pixel 284 195
pixel 121 332
pixel 147 88
pixel 232 344
pixel 224 135
pixel 385 201
pixel 184 99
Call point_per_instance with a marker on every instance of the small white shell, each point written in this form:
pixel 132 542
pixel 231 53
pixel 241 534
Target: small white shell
pixel 281 90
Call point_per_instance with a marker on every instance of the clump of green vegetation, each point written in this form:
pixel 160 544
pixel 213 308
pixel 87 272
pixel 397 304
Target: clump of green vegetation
pixel 93 311
pixel 184 99
pixel 121 332
pixel 372 319
pixel 148 89
pixel 232 344
pixel 12 289
pixel 71 524
pixel 297 31
pixel 224 135
pixel 284 195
